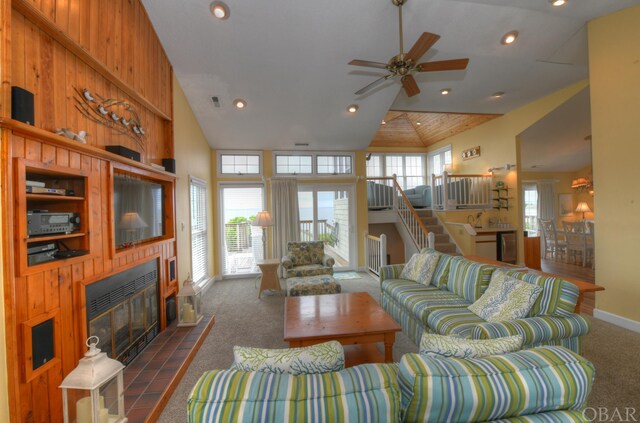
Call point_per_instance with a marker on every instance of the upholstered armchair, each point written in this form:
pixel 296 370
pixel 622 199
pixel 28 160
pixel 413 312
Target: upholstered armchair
pixel 420 196
pixel 306 259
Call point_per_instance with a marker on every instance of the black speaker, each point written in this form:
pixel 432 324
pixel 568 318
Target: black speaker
pixel 124 152
pixel 169 165
pixel 42 343
pixel 170 305
pixel 22 105
pixel 172 270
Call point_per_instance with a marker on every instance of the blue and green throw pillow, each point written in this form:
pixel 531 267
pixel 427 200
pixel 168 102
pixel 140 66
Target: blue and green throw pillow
pixel 320 358
pixel 421 267
pixel 506 298
pixel 452 346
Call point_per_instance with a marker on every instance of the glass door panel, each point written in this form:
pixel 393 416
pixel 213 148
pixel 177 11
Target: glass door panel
pixel 325 215
pixel 243 243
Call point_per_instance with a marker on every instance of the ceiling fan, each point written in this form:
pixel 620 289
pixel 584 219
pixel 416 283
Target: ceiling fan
pixel 404 65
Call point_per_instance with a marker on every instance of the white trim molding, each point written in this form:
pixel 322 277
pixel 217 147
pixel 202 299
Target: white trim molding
pixel 623 322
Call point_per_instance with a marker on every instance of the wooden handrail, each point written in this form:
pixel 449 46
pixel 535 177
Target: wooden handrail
pixel 410 207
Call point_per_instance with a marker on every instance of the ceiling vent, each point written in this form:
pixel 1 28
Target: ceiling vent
pixel 216 101
pixel 301 144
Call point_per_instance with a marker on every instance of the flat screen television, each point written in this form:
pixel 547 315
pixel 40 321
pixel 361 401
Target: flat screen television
pixel 138 210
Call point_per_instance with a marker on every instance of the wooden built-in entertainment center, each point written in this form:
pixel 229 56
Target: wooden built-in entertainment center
pixel 55 50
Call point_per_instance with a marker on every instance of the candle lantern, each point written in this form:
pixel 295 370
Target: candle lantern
pixel 189 304
pixel 93 391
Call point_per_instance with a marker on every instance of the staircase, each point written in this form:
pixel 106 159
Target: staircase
pixel 443 242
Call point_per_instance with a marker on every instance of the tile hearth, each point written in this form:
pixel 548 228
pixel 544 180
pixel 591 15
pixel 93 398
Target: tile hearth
pixel 151 378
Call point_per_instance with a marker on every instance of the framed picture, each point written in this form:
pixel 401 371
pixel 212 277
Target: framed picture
pixel 565 204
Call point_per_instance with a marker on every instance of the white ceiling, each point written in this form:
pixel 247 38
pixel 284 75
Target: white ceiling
pixel 559 142
pixel 288 59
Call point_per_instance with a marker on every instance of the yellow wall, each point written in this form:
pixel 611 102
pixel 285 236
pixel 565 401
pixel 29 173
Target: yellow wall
pixel 193 158
pixel 614 68
pixel 497 141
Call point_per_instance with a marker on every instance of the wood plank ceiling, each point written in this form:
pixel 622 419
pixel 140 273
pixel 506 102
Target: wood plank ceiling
pixel 422 129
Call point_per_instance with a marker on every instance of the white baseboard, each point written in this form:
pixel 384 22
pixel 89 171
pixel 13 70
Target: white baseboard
pixel 614 319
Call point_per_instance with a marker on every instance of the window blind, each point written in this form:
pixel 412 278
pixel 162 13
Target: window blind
pixel 199 230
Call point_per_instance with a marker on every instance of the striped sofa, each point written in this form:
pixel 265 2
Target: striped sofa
pixel 545 384
pixel 441 306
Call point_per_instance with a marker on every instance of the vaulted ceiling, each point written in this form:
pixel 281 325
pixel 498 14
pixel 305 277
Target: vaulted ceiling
pixel 289 61
pixel 417 129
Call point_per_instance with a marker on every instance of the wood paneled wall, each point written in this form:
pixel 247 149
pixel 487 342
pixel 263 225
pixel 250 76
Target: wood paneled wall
pixel 55 46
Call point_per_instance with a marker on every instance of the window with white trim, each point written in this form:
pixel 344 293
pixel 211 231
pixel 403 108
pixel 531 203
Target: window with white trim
pixel 313 164
pixel 199 230
pixel 410 169
pixel 440 160
pixel 333 165
pixel 239 163
pixel 294 164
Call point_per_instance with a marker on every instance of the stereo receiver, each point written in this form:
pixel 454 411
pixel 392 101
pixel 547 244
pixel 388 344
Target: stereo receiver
pixel 45 223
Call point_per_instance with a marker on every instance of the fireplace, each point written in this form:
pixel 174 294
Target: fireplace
pixel 122 310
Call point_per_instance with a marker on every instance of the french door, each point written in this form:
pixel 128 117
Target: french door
pixel 326 214
pixel 242 243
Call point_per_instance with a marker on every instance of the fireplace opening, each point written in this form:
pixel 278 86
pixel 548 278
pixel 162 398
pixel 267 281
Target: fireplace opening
pixel 122 310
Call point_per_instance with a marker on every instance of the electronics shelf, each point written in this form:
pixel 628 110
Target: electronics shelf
pixel 49 224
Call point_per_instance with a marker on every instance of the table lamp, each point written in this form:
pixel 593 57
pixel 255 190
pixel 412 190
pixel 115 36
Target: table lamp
pixel 582 208
pixel 264 220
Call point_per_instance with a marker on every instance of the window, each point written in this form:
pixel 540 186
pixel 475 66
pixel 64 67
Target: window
pixel 238 164
pixel 313 164
pixel 409 169
pixel 440 160
pixel 333 165
pixel 199 230
pixel 531 207
pixel 293 165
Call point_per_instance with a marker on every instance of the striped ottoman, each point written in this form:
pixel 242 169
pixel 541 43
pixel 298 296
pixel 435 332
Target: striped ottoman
pixel 312 285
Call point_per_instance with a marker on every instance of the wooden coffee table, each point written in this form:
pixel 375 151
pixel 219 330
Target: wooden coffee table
pixel 354 319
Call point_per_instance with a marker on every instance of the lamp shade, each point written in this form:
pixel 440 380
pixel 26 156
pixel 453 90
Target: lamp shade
pixel 263 219
pixel 583 207
pixel 131 220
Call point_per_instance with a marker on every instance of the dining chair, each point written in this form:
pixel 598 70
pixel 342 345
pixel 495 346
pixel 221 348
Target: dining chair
pixel 575 236
pixel 590 238
pixel 553 246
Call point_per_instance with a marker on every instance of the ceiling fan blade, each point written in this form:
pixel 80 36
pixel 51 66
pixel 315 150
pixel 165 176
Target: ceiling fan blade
pixel 410 85
pixel 443 65
pixel 421 46
pixel 368 64
pixel 373 84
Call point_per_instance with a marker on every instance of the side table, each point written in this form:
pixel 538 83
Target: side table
pixel 269 279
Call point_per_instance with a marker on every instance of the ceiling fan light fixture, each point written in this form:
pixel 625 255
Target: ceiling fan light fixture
pixel 352 108
pixel 558 2
pixel 445 91
pixel 219 10
pixel 239 103
pixel 509 38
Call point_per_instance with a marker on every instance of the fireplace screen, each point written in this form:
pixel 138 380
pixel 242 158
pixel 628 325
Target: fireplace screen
pixel 122 311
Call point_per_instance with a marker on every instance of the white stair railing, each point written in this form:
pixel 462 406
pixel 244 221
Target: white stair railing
pixel 375 252
pixel 451 192
pixel 411 220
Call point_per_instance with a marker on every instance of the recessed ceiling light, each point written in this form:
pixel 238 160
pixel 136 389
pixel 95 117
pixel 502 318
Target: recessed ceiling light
pixel 239 103
pixel 418 123
pixel 384 122
pixel 219 10
pixel 352 108
pixel 509 38
pixel 497 94
pixel 558 2
pixel 445 91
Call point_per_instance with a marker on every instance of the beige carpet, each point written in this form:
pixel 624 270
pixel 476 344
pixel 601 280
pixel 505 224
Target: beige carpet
pixel 242 319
